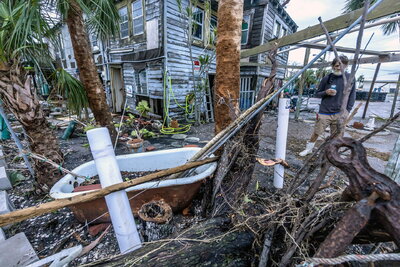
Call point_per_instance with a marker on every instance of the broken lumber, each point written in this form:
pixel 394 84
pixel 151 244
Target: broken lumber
pixel 20 215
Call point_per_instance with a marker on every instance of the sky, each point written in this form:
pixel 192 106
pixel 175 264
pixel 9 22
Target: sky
pixel 306 12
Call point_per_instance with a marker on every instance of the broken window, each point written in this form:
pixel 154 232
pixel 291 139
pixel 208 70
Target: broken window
pixel 197 25
pixel 137 17
pixel 141 82
pixel 245 29
pixel 123 24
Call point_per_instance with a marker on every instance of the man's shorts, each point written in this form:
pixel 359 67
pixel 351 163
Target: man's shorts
pixel 324 121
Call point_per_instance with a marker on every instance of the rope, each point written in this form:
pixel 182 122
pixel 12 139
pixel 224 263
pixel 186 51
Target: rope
pixel 168 92
pixel 357 258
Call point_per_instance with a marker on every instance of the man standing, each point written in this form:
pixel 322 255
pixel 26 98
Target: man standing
pixel 331 90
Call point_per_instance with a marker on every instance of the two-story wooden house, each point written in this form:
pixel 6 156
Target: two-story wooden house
pixel 157 56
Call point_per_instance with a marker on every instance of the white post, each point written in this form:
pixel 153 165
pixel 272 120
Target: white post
pixel 117 202
pixel 281 137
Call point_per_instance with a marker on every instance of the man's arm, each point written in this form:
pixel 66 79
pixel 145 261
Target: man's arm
pixel 321 88
pixel 352 97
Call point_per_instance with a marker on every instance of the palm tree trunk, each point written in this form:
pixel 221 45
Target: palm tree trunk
pixel 19 97
pixel 230 16
pixel 87 69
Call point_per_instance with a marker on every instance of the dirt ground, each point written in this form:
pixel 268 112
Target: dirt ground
pixel 55 231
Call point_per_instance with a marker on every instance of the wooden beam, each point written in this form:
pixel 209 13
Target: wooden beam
pixel 341 49
pixel 20 215
pixel 388 7
pixel 370 89
pixel 366 60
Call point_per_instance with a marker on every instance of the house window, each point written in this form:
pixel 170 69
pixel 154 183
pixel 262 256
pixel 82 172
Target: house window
pixel 284 32
pixel 137 17
pixel 141 82
pixel 93 39
pixel 245 29
pixel 213 29
pixel 277 29
pixel 123 24
pixel 197 25
pixel 62 47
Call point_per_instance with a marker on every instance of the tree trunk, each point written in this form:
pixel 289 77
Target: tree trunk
pixel 230 14
pixel 21 100
pixel 216 247
pixel 87 69
pixel 245 147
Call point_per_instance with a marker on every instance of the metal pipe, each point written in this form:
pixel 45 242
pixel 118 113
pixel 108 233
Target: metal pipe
pixel 117 202
pixel 217 145
pixel 16 140
pixel 281 139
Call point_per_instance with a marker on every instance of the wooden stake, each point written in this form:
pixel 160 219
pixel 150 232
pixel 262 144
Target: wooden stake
pixel 20 215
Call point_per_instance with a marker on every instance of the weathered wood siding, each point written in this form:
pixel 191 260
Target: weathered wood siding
pixel 179 60
pixel 154 73
pixel 272 14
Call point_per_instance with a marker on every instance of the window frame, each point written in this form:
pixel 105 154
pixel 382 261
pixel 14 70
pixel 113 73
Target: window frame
pixel 283 29
pixel 137 17
pixel 196 8
pixel 139 84
pixel 124 22
pixel 212 35
pixel 246 30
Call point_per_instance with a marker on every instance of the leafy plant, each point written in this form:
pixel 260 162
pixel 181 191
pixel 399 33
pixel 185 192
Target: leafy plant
pixel 143 108
pixel 143 133
pixel 71 89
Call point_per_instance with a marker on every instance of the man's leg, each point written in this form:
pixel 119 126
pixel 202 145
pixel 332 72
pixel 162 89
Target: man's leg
pixel 319 128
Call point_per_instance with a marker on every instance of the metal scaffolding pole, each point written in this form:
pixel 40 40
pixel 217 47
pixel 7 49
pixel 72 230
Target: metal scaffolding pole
pixel 370 89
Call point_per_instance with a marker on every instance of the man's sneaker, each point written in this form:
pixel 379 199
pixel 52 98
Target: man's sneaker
pixel 308 150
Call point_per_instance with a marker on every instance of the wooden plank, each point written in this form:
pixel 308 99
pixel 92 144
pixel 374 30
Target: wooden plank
pixel 366 60
pixel 341 49
pixel 388 7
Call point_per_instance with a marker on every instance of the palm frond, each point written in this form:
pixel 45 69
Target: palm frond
pixel 22 30
pixel 71 89
pixel 102 17
pixel 387 28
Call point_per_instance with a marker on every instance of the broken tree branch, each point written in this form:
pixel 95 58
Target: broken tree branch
pixel 20 215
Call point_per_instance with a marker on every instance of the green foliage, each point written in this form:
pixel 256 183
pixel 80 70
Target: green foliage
pixel 22 28
pixel 71 89
pixel 143 108
pixel 387 28
pixel 143 133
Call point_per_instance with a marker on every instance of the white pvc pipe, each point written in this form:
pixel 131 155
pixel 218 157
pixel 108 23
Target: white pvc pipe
pixel 117 202
pixel 281 137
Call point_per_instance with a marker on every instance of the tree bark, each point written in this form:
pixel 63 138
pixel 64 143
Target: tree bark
pixel 87 69
pixel 216 247
pixel 246 144
pixel 20 98
pixel 230 14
